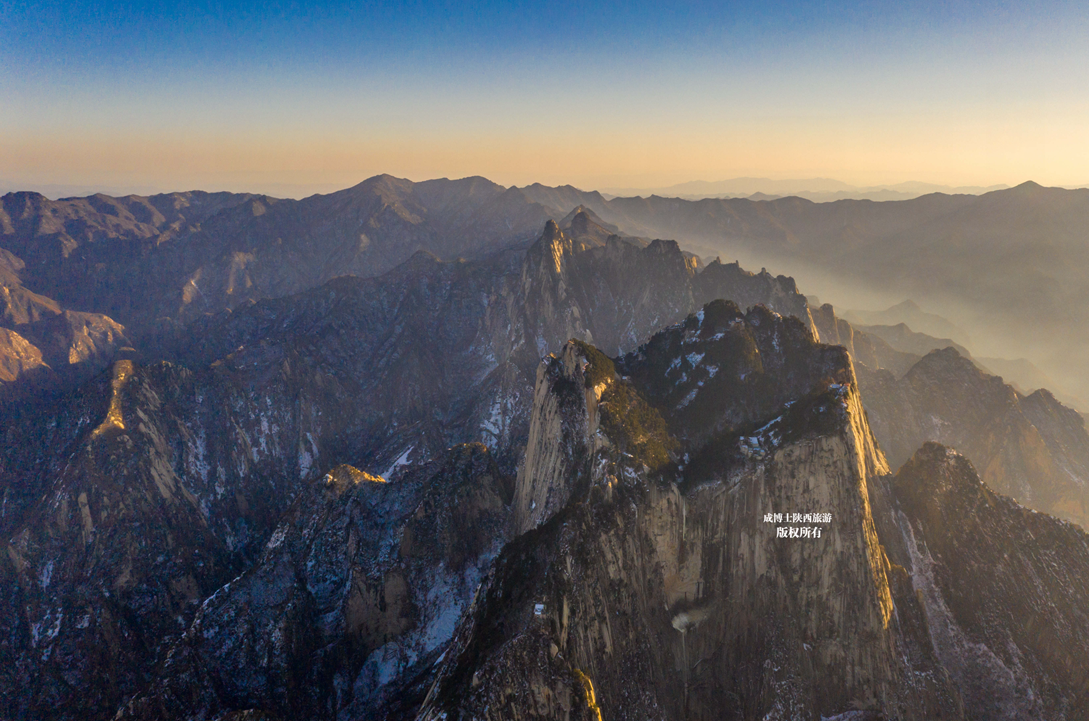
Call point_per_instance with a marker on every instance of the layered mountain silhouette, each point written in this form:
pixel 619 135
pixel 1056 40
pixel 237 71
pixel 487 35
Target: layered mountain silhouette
pixel 1010 263
pixel 1030 447
pixel 454 450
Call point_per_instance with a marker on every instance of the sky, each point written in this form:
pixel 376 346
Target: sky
pixel 305 97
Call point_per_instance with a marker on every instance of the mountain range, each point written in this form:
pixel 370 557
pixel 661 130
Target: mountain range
pixel 1008 264
pixel 454 450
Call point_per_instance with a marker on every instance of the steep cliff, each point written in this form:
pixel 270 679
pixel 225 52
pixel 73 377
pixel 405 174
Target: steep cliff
pixel 561 438
pixel 664 589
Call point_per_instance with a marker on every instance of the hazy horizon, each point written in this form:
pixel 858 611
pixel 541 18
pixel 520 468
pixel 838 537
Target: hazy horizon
pixel 630 95
pixel 908 189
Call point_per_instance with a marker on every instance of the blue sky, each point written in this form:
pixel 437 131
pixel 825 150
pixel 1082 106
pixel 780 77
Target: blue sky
pixel 597 94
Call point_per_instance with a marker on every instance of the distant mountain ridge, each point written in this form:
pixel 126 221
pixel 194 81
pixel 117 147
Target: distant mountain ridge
pixel 1012 264
pixel 816 189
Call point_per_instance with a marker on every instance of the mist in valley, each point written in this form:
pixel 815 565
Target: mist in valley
pixel 1008 268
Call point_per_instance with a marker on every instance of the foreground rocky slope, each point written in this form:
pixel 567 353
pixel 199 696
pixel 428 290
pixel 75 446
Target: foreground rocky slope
pixel 1005 590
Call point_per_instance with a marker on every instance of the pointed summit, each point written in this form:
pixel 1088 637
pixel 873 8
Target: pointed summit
pixel 1029 186
pixel 586 227
pixel 551 231
pixel 580 222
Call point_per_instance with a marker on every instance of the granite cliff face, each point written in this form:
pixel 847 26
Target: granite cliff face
pixel 660 590
pixel 561 439
pixel 18 356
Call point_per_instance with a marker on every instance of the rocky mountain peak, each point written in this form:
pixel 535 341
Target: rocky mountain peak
pixel 586 227
pixel 1027 187
pixel 933 471
pixel 561 429
pixel 18 205
pixel 552 231
pixel 715 561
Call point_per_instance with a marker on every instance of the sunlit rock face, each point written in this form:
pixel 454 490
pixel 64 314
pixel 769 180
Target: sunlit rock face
pixel 660 585
pixel 18 356
pixel 44 347
pixel 356 595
